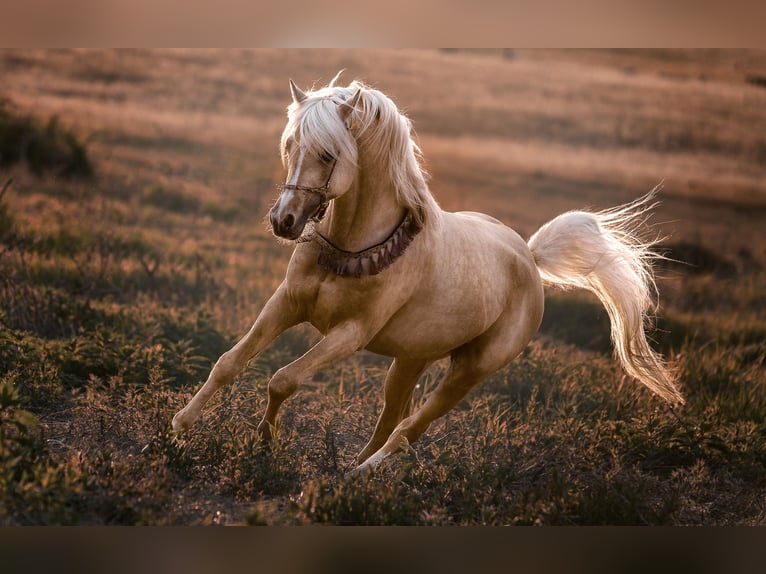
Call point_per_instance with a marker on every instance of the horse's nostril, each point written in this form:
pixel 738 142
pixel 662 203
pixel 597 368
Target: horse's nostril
pixel 288 222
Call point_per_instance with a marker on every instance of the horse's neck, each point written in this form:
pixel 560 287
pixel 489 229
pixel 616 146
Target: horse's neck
pixel 366 214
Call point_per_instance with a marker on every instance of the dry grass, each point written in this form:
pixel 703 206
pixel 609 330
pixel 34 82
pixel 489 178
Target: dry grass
pixel 118 293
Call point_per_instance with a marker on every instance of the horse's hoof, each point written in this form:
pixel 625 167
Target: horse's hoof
pixel 370 464
pixel 361 470
pixel 180 422
pixel 266 431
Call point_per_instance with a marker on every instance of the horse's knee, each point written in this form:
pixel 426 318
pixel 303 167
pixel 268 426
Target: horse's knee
pixel 225 368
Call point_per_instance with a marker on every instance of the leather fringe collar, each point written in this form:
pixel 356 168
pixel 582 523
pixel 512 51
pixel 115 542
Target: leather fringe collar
pixel 372 260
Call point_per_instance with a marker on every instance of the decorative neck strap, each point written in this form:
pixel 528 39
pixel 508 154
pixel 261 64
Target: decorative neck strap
pixel 372 260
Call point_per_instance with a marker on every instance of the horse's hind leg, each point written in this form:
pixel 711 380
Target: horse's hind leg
pixel 400 382
pixel 450 391
pixel 469 365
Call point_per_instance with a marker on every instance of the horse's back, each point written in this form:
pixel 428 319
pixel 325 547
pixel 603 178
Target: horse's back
pixel 480 216
pixel 486 237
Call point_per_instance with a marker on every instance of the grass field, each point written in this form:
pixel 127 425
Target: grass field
pixel 133 251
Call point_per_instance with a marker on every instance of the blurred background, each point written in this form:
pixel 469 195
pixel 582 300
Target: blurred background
pixel 135 184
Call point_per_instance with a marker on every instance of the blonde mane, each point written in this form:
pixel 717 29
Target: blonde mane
pixel 381 131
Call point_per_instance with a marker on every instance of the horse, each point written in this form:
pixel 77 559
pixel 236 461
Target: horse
pixel 378 265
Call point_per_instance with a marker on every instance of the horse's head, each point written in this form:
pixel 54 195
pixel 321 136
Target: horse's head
pixel 320 154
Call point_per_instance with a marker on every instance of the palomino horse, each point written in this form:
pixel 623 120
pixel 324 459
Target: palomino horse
pixel 378 265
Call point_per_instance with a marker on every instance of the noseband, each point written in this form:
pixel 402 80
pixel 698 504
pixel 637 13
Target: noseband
pixel 321 191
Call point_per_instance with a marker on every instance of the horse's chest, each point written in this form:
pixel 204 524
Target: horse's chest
pixel 341 300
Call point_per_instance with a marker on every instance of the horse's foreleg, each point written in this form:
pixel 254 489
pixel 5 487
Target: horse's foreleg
pixel 400 382
pixel 277 315
pixel 341 342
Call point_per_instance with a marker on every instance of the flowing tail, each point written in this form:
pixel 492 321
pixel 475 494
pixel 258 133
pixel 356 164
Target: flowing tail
pixel 603 253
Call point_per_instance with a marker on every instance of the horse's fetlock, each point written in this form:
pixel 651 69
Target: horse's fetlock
pixel 182 420
pixel 266 431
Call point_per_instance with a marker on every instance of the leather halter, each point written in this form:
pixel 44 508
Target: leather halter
pixel 321 191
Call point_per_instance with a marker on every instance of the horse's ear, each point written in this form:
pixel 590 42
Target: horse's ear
pixel 297 93
pixel 334 81
pixel 347 107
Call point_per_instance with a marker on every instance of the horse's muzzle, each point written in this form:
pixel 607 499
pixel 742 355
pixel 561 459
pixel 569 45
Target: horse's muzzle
pixel 291 212
pixel 287 226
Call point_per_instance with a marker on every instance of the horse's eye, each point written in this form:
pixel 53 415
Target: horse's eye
pixel 326 157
